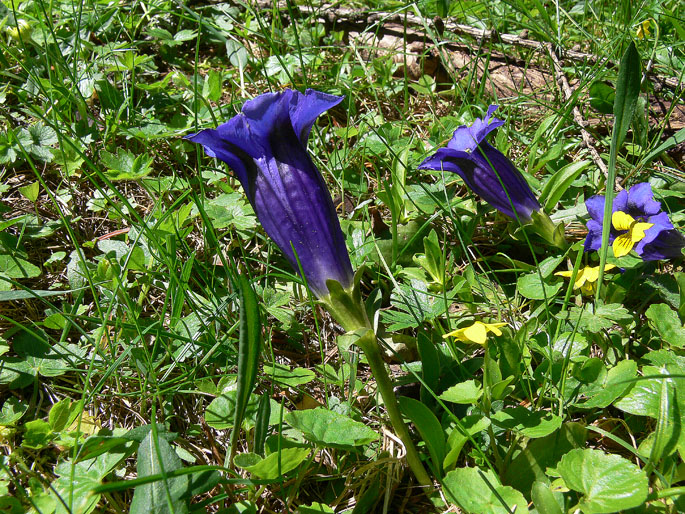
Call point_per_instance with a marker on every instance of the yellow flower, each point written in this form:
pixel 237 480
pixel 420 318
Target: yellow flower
pixel 586 278
pixel 643 29
pixel 477 332
pixel 635 232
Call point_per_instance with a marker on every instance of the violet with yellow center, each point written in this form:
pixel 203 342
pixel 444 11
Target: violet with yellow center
pixel 637 222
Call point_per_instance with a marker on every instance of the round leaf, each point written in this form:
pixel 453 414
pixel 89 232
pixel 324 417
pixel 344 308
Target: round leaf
pixel 609 483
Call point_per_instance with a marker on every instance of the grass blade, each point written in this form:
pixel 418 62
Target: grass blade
pixel 249 348
pixel 627 91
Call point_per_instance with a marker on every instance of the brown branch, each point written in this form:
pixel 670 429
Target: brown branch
pixel 567 92
pixel 345 18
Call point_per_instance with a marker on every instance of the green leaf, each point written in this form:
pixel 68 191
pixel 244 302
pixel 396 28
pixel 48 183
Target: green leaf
pixel 609 483
pixel 268 468
pixel 602 97
pixel 230 210
pixel 465 392
pixel 59 415
pixel 480 492
pixel 558 183
pixel 665 320
pixel 530 286
pixel 74 489
pixel 330 429
pixel 627 91
pixel 249 348
pixel 221 411
pixel 428 426
pixel 539 454
pixel 38 434
pixel 315 508
pixel 14 267
pixel 472 425
pixel 12 410
pixel 282 374
pixel 544 500
pixel 414 304
pixel 30 192
pixel 617 382
pixel 643 398
pixel 126 165
pixel 670 142
pixel 533 424
pixel 156 456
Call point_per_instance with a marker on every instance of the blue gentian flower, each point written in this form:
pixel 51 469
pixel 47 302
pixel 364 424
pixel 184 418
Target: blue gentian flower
pixel 266 147
pixel 486 170
pixel 637 222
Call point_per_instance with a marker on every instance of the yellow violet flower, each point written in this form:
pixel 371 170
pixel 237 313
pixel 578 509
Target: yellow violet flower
pixel 643 29
pixel 477 332
pixel 586 278
pixel 635 232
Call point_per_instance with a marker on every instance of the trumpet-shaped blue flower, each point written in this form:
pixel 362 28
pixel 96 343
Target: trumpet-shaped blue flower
pixel 637 222
pixel 486 170
pixel 266 147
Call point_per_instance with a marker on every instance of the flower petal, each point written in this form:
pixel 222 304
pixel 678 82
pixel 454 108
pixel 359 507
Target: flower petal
pixel 494 328
pixel 476 333
pixel 466 138
pixel 595 207
pixel 306 108
pixel 264 146
pixel 622 245
pixel 593 241
pixel 641 200
pixel 620 202
pixel 637 231
pixel 622 221
pixel 668 244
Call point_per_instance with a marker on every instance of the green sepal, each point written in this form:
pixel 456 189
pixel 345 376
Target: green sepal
pixel 542 225
pixel 346 305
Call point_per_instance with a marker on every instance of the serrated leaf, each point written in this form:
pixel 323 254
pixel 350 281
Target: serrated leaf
pixel 330 429
pixel 480 492
pixel 530 286
pixel 125 165
pixel 666 322
pixel 464 392
pixel 609 483
pixel 533 424
pixel 268 468
pixel 14 267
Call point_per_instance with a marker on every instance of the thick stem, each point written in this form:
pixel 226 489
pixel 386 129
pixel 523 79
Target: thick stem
pixel 373 356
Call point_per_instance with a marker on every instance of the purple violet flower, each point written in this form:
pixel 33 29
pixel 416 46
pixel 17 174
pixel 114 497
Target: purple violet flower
pixel 637 223
pixel 266 147
pixel 486 170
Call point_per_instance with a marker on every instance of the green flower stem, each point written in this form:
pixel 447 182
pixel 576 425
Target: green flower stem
pixel 369 345
pixel 347 307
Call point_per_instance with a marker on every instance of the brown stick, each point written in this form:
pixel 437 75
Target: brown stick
pixel 566 90
pixel 346 18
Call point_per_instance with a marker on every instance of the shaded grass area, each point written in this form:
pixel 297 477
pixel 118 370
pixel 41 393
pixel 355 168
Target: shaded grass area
pixel 120 242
